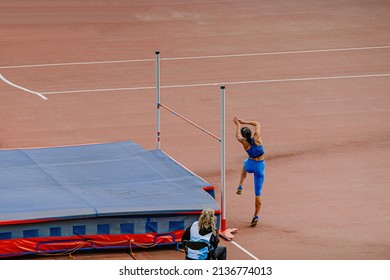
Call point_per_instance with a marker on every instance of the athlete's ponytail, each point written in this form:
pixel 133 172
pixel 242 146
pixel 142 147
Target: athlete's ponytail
pixel 247 134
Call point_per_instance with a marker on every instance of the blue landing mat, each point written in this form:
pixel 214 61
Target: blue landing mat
pixel 99 180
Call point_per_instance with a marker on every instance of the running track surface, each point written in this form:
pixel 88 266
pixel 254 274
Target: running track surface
pixel 314 73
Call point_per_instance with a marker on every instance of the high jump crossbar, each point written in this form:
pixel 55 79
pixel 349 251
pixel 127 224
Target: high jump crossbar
pixel 190 122
pixel 226 233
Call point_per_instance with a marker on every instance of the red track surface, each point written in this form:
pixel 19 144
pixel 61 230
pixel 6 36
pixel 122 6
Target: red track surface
pixel 327 190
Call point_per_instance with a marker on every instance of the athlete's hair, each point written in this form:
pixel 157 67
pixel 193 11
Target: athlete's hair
pixel 207 220
pixel 247 134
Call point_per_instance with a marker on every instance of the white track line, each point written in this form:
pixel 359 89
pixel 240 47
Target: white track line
pixel 22 88
pixel 98 90
pixel 198 57
pixel 244 250
pixel 76 63
pixel 277 53
pixel 224 83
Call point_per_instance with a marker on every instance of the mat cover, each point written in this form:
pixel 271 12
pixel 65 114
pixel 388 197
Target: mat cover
pixel 90 183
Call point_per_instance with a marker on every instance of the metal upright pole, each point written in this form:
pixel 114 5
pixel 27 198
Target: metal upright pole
pixel 225 233
pixel 223 165
pixel 158 143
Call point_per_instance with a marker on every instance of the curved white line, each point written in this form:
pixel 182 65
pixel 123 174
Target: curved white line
pixel 22 88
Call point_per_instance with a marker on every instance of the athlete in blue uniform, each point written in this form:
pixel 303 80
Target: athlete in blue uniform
pixel 254 163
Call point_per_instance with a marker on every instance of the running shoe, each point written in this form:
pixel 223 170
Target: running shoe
pixel 255 221
pixel 239 190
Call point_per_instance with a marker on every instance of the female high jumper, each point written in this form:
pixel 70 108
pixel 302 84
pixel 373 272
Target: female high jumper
pixel 254 163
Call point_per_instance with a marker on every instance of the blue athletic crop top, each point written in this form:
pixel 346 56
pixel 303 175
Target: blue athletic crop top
pixel 255 151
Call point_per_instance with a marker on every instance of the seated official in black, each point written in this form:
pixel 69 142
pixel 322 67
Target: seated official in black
pixel 204 230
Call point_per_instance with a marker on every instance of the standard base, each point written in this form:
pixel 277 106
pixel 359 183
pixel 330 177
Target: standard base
pixel 227 234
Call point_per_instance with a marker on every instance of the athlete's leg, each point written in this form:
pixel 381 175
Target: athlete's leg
pixel 255 219
pixel 257 205
pixel 243 176
pixel 259 180
pixel 242 179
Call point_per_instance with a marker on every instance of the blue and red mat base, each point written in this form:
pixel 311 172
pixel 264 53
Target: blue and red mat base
pixel 112 195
